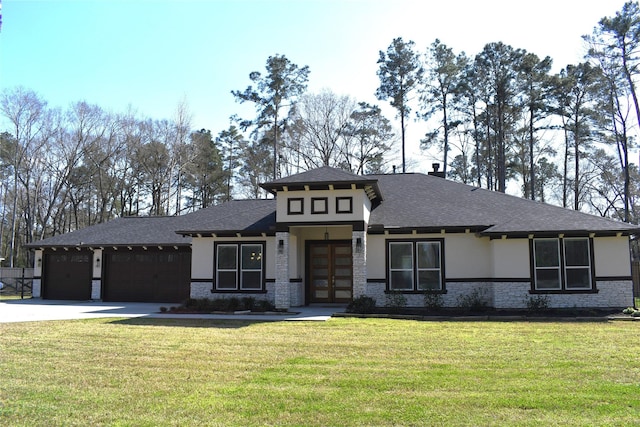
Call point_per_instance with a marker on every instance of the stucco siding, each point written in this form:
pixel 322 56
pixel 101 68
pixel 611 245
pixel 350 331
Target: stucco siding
pixel 511 259
pixel 467 256
pixel 361 206
pixel 612 257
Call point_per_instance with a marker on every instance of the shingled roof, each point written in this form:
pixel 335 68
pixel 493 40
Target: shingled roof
pixel 323 178
pixel 418 201
pixel 412 201
pixel 125 231
pixel 247 217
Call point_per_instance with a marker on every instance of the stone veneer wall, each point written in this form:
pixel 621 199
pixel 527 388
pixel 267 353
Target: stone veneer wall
pixel 36 288
pixel 96 289
pixel 611 294
pixel 202 290
pixel 359 264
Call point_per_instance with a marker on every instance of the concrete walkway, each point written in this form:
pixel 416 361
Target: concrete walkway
pixel 31 310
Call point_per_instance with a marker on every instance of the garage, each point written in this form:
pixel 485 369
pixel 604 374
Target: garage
pixel 147 275
pixel 67 275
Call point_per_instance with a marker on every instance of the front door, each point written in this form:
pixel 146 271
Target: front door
pixel 330 272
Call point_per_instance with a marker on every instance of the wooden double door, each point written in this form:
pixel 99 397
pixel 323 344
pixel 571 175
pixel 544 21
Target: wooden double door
pixel 330 267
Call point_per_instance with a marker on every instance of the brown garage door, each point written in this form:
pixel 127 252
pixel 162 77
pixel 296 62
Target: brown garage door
pixel 67 275
pixel 147 276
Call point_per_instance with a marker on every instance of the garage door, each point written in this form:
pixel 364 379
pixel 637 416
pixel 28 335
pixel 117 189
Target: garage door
pixel 67 275
pixel 147 276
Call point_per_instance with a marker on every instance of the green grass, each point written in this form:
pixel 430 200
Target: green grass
pixel 146 372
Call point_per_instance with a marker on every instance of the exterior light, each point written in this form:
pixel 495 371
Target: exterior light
pixel 280 246
pixel 358 244
pixel 39 262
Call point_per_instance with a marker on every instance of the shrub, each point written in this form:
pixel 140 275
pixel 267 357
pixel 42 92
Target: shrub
pixel 635 314
pixel 361 305
pixel 537 303
pixel 396 300
pixel 475 301
pixel 433 301
pixel 629 310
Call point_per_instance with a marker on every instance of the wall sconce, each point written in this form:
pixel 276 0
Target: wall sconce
pixel 358 244
pixel 39 262
pixel 326 234
pixel 280 246
pixel 97 262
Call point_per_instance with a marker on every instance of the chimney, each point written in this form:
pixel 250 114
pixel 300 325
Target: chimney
pixel 436 169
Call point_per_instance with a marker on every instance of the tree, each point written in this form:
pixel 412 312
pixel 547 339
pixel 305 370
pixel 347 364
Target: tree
pixel 533 76
pixel 444 70
pixel 614 45
pixel 230 141
pixel 368 136
pixel 204 175
pixel 26 112
pixel 496 66
pixel 272 95
pixel 400 74
pixel 318 129
pixel 575 90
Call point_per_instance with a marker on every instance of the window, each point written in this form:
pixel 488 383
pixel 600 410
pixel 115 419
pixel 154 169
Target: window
pixel 319 205
pixel 239 266
pixel 295 206
pixel 562 264
pixel 415 265
pixel 344 205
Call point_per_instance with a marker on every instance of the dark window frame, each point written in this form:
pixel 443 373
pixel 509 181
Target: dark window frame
pixel 415 267
pixel 239 268
pixel 314 210
pixel 291 211
pixel 344 211
pixel 562 267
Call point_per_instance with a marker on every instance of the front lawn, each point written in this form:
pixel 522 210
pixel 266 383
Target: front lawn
pixel 149 372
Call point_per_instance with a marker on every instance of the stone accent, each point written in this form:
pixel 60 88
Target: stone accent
pixel 283 287
pixel 297 294
pixel 359 256
pixel 201 290
pixel 36 288
pixel 96 289
pixel 515 295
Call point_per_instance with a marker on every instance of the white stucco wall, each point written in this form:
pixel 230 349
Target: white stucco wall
pixel 510 259
pixel 361 206
pixel 612 257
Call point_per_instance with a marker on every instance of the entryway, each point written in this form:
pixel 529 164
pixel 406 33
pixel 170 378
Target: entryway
pixel 330 271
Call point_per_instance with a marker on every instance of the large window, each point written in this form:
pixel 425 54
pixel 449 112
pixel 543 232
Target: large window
pixel 562 264
pixel 415 265
pixel 239 266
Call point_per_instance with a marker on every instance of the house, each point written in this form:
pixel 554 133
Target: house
pixel 329 236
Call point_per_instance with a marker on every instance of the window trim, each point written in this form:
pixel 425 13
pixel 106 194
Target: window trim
pixel 344 211
pixel 414 268
pixel 290 207
pixel 563 289
pixel 315 209
pixel 239 287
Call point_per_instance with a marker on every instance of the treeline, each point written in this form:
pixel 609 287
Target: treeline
pixel 497 119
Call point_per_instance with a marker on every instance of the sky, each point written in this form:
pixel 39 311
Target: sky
pixel 154 55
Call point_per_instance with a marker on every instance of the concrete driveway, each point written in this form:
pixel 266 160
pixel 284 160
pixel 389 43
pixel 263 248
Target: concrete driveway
pixel 31 310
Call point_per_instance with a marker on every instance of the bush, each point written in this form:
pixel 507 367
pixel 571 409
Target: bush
pixel 433 301
pixel 537 303
pixel 362 305
pixel 396 301
pixel 205 305
pixel 629 310
pixel 476 301
pixel 635 314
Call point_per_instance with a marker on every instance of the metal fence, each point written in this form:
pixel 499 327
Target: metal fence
pixel 16 282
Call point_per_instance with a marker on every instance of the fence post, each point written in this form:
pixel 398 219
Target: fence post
pixel 22 285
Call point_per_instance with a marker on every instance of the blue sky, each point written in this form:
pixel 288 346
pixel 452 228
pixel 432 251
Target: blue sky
pixel 154 54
